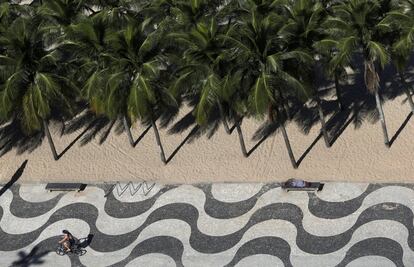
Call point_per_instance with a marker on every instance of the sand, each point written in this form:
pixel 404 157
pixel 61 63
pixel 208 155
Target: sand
pixel 358 155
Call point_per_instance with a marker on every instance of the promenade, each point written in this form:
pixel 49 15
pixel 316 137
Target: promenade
pixel 145 224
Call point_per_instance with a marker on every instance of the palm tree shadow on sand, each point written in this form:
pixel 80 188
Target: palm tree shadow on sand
pixel 359 106
pixel 11 137
pixel 14 178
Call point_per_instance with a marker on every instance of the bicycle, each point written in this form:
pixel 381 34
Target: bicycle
pixel 75 249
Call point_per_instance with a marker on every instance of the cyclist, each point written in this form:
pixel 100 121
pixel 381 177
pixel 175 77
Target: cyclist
pixel 67 240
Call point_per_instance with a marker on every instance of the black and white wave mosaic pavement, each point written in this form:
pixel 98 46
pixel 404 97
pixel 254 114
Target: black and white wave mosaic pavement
pixel 211 225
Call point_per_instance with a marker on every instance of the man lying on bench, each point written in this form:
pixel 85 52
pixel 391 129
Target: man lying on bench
pixel 301 185
pixel 65 187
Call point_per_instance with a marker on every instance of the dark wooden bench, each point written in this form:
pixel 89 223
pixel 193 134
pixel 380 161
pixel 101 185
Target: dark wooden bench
pixel 310 187
pixel 65 187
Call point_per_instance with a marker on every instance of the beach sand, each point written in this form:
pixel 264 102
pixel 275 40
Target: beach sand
pixel 358 155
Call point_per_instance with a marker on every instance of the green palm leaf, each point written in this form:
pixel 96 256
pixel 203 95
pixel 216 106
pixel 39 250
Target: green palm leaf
pixel 302 91
pixel 176 87
pixel 378 52
pixel 146 87
pixel 208 93
pixel 261 95
pixel 137 105
pixel 30 120
pixel 5 60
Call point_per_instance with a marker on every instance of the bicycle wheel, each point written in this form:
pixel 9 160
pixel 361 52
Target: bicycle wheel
pixel 60 251
pixel 80 252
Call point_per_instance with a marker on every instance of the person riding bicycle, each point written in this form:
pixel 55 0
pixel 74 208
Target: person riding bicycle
pixel 68 240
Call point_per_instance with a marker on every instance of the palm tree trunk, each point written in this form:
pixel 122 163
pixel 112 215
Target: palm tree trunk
pixel 50 140
pixel 128 131
pixel 157 137
pixel 338 92
pixel 289 148
pixel 407 92
pixel 63 127
pixel 285 105
pixel 283 129
pixel 322 121
pixel 226 127
pixel 382 119
pixel 287 143
pixel 241 138
pixel 372 80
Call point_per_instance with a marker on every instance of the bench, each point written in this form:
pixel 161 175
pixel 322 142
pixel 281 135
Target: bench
pixel 310 187
pixel 65 187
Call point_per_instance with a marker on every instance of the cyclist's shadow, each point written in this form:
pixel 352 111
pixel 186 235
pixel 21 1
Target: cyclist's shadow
pixel 80 244
pixel 85 241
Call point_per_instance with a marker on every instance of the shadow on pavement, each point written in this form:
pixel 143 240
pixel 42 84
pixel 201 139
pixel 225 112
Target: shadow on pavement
pixel 34 257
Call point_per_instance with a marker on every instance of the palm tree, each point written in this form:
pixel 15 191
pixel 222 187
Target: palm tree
pixel 137 55
pixel 204 72
pixel 302 30
pixel 123 69
pixel 35 86
pixel 197 36
pixel 262 57
pixel 198 74
pixel 400 36
pixel 358 25
pixel 88 40
pixel 334 65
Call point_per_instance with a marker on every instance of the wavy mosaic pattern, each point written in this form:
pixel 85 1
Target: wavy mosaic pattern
pixel 213 225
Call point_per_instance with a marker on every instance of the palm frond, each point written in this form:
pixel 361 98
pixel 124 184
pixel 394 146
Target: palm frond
pixel 146 87
pixel 378 52
pixel 179 85
pixel 137 105
pixel 207 98
pixel 261 95
pixel 303 92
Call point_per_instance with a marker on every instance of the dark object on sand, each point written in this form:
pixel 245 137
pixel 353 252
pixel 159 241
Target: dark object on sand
pixel 301 185
pixel 65 187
